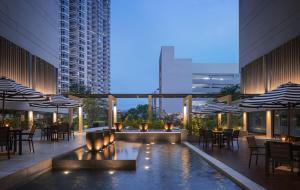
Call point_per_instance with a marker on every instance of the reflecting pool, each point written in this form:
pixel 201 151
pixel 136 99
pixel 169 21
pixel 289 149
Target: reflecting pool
pixel 160 166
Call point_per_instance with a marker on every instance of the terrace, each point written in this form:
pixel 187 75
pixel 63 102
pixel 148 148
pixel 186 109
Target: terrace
pixel 56 157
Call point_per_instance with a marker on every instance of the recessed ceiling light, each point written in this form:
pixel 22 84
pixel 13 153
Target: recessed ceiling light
pixel 111 172
pixel 66 172
pixel 147 158
pixel 147 167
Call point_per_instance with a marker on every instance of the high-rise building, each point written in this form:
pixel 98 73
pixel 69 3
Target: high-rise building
pixel 269 56
pixel 85 45
pixel 180 76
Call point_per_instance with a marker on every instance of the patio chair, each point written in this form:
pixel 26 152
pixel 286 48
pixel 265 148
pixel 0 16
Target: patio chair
pixel 255 150
pixel 281 153
pixel 72 130
pixel 227 136
pixel 29 137
pixel 63 130
pixel 5 140
pixel 201 135
pixel 54 132
pixel 235 137
pixel 208 139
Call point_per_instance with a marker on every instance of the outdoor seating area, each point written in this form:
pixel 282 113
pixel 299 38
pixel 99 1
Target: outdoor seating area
pixel 219 138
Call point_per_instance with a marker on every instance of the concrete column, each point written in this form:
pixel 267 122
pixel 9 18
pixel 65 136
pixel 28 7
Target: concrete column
pixel 187 110
pixel 150 108
pixel 229 115
pixel 54 117
pixel 30 119
pixel 115 110
pixel 70 117
pixel 268 124
pixel 245 121
pixel 110 114
pixel 219 120
pixel 80 120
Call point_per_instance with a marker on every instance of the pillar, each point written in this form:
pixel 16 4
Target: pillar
pixel 70 117
pixel 115 110
pixel 229 115
pixel 30 119
pixel 110 114
pixel 245 121
pixel 54 117
pixel 187 110
pixel 80 120
pixel 268 124
pixel 219 120
pixel 150 108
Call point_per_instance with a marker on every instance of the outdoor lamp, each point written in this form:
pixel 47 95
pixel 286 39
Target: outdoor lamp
pixel 168 127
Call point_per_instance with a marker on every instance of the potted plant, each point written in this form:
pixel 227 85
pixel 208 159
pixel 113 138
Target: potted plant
pixel 168 123
pixel 143 126
pixel 118 126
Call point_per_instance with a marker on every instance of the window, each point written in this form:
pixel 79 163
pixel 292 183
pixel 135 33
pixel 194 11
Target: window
pixel 257 122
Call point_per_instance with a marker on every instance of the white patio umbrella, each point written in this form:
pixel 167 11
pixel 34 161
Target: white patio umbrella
pixel 286 96
pixel 57 101
pixel 12 91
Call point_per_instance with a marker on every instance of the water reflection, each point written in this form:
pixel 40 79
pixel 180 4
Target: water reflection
pixel 116 151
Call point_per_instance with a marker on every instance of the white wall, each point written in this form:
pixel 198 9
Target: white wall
pixel 32 25
pixel 176 76
pixel 265 25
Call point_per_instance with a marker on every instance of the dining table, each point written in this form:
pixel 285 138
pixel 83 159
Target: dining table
pixel 295 149
pixel 17 137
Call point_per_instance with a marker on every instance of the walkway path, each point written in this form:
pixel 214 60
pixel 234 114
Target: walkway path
pixel 44 152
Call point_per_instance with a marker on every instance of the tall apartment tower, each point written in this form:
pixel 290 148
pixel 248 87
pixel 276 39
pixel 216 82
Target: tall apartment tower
pixel 85 45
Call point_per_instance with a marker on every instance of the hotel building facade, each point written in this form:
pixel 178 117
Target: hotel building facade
pixel 29 43
pixel 269 56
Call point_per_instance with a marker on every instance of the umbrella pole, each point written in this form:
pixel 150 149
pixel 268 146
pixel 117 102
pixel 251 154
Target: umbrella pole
pixel 56 113
pixel 3 104
pixel 289 120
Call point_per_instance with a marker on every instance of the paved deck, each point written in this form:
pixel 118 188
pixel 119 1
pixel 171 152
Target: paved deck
pixel 238 160
pixel 44 150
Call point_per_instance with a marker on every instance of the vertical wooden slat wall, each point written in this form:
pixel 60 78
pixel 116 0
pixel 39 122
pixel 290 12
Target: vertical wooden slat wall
pixel 282 65
pixel 15 64
pixel 252 77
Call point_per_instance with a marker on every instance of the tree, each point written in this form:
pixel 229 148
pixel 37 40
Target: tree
pixel 140 112
pixel 231 89
pixel 94 109
pixel 79 89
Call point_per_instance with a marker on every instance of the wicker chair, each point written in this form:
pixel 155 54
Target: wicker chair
pixel 255 150
pixel 208 139
pixel 29 137
pixel 63 130
pixel 227 136
pixel 235 137
pixel 5 140
pixel 281 153
pixel 201 135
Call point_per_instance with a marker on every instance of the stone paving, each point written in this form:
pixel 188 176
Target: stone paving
pixel 44 150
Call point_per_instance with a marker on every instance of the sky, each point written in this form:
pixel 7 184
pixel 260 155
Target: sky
pixel 203 30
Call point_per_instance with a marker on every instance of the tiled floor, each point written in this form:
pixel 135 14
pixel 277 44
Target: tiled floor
pixel 44 150
pixel 238 160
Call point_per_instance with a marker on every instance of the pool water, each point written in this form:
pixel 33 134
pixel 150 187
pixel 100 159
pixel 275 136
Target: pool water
pixel 160 166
